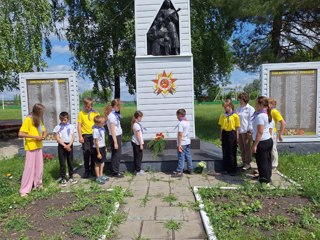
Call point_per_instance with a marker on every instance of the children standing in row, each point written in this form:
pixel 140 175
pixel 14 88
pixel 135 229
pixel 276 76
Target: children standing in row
pixel 183 144
pixel 99 151
pixel 229 135
pixel 34 132
pixel 65 137
pixel 137 141
pixel 85 124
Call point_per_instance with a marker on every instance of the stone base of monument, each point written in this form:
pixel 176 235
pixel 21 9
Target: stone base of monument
pixel 168 160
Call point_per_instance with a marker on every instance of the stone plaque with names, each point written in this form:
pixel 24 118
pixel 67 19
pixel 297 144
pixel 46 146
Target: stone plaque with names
pixel 295 92
pixel 54 95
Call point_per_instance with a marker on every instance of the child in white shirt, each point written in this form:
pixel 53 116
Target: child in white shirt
pixel 99 148
pixel 137 141
pixel 65 134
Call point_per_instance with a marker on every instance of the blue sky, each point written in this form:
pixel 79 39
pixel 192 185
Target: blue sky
pixel 60 61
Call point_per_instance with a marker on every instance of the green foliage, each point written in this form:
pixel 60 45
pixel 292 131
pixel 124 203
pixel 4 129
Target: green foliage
pixel 96 95
pixel 305 169
pixel 101 37
pixel 18 223
pixel 171 198
pixel 157 146
pixel 10 198
pixel 173 225
pixel 25 28
pixel 275 31
pixel 211 27
pixel 235 214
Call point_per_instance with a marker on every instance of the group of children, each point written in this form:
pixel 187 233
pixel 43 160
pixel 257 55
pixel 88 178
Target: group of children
pixel 246 125
pixel 91 132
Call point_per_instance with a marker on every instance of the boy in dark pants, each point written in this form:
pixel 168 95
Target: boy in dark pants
pixel 230 123
pixel 65 138
pixel 85 124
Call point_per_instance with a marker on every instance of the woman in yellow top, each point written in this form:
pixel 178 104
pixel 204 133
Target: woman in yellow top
pixel 277 118
pixel 34 132
pixel 229 135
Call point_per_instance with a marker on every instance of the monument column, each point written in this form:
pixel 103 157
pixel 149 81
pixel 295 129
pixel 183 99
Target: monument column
pixel 164 64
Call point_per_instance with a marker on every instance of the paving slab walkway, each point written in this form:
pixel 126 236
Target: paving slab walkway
pixel 157 198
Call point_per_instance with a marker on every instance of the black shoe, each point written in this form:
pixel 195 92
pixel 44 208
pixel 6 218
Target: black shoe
pixel 86 174
pixel 117 175
pixel 190 172
pixel 177 174
pixel 93 174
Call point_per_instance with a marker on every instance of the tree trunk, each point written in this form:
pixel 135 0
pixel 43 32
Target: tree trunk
pixel 117 87
pixel 276 34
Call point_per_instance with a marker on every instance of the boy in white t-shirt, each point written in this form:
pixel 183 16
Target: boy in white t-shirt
pixel 65 134
pixel 183 144
pixel 99 148
pixel 137 141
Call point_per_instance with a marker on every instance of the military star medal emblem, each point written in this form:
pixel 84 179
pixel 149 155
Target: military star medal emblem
pixel 164 84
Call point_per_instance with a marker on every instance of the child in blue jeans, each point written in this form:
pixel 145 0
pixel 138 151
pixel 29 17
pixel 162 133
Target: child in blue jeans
pixel 183 144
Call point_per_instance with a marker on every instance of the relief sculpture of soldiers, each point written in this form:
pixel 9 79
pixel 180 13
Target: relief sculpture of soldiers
pixel 163 36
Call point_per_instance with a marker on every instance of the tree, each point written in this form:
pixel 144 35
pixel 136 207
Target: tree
pixel 212 26
pixel 276 31
pixel 17 99
pixel 96 96
pixel 251 87
pixel 25 28
pixel 101 37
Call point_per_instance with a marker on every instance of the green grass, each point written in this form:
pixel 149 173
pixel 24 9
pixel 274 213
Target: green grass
pixel 304 169
pixel 235 214
pixel 206 117
pixel 9 187
pixel 173 225
pixel 10 113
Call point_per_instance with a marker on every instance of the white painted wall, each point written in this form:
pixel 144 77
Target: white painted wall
pixel 160 111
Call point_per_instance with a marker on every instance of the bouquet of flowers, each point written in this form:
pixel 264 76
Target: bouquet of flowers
pixel 48 156
pixel 201 166
pixel 157 145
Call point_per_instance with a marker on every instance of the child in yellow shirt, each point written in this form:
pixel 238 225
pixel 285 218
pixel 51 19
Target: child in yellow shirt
pixel 229 135
pixel 34 132
pixel 85 124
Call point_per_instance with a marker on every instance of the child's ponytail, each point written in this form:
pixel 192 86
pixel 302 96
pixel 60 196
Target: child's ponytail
pixel 269 114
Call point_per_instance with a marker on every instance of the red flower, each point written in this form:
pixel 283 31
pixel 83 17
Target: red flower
pixel 159 136
pixel 48 156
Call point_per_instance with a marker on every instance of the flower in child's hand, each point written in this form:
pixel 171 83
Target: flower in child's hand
pixel 202 164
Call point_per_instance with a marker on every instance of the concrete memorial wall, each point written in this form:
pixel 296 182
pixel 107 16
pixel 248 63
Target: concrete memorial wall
pixel 57 91
pixel 295 86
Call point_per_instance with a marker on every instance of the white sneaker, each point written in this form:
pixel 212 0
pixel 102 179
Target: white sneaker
pixel 141 172
pixel 246 167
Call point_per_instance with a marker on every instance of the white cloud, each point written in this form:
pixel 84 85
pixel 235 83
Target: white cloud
pixel 58 68
pixel 61 49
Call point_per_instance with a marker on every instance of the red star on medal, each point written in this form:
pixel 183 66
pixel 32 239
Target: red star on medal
pixel 165 84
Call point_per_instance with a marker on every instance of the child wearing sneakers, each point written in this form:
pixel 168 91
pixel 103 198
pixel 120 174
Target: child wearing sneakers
pixel 99 148
pixel 183 144
pixel 65 138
